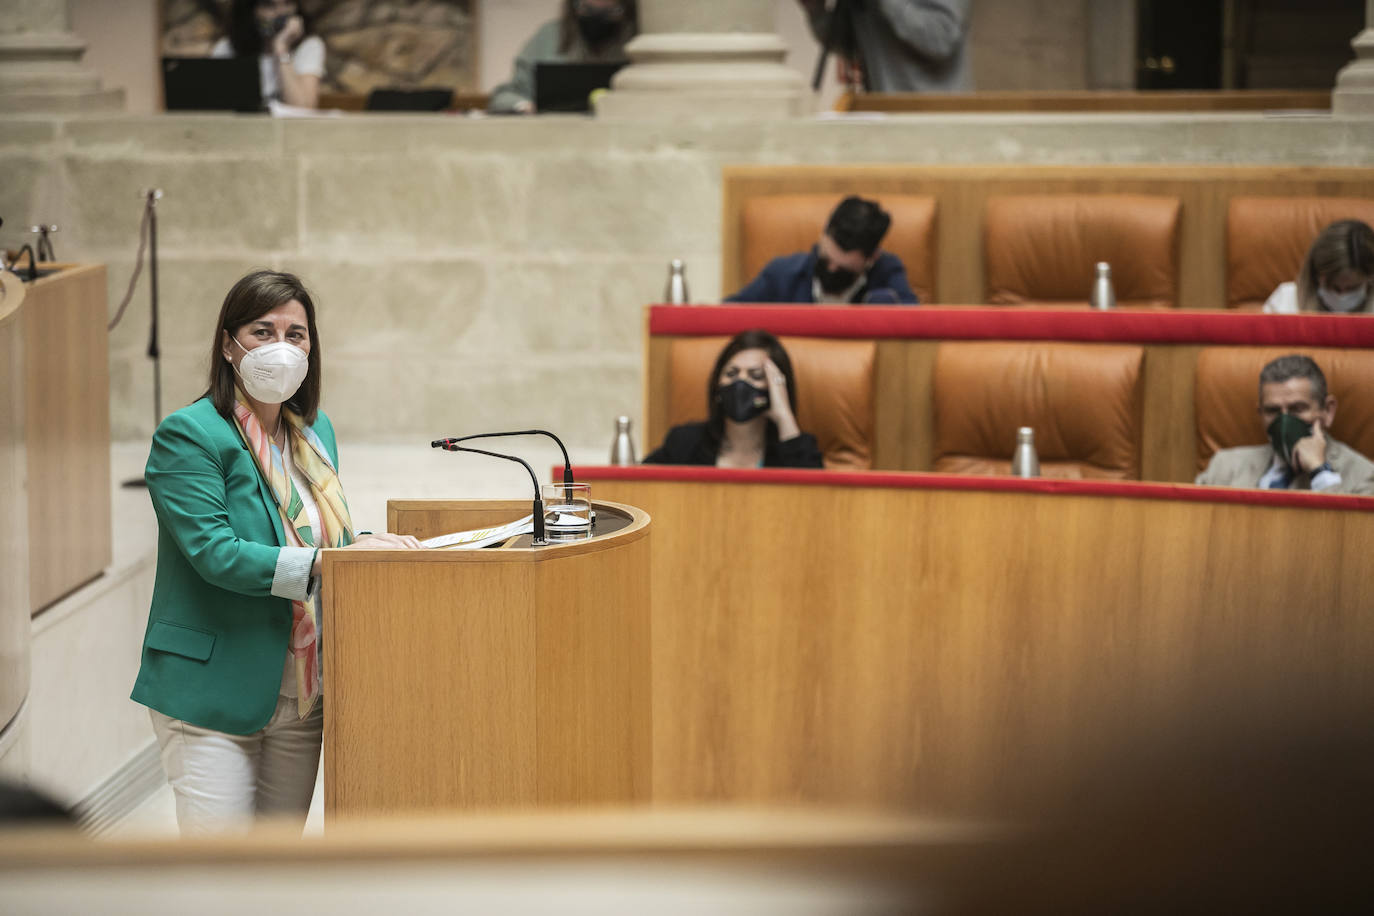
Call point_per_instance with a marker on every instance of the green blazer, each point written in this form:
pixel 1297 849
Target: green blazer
pixel 216 641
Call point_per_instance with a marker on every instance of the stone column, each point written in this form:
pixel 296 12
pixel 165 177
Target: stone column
pixel 40 62
pixel 1353 96
pixel 709 58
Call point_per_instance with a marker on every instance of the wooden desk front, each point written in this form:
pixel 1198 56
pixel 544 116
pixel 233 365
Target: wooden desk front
pixel 463 679
pixel 938 641
pixel 67 430
pixel 907 340
pixel 1087 100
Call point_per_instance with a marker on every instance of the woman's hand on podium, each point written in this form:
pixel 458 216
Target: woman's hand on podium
pixel 385 541
pixel 370 541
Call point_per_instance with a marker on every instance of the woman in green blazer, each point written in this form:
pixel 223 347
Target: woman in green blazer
pixel 246 493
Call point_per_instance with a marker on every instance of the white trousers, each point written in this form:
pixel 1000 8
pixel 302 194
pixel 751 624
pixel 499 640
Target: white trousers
pixel 222 782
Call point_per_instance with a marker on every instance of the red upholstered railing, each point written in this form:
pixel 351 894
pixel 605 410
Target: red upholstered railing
pixel 918 480
pixel 1008 323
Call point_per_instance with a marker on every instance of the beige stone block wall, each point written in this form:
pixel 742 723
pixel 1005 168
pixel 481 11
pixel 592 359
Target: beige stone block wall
pixel 478 273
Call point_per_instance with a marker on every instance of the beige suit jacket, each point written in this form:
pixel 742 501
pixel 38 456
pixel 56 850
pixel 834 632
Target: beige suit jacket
pixel 1244 466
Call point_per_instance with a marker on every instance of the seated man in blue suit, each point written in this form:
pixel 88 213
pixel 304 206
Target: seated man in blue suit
pixel 844 267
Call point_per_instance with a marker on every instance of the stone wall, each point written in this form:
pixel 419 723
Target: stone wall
pixel 474 273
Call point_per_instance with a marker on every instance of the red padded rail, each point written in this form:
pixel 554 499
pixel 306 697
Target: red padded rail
pixel 1016 323
pixel 918 480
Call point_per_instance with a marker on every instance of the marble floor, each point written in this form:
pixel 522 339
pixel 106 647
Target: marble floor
pixel 371 474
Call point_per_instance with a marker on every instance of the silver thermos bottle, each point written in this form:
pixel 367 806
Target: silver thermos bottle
pixel 622 447
pixel 1104 295
pixel 676 291
pixel 1024 461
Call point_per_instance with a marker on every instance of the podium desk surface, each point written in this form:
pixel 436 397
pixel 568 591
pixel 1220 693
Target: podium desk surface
pixel 426 518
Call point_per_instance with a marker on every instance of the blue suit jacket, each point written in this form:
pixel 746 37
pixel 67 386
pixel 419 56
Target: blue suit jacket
pixel 788 279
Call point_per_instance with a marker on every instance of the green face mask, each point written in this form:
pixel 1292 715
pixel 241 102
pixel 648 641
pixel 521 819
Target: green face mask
pixel 1285 432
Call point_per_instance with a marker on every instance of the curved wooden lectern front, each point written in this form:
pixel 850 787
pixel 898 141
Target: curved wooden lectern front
pixel 487 678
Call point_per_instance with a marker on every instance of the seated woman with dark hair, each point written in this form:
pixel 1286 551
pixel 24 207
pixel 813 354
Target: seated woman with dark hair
pixel 751 402
pixel 586 31
pixel 290 56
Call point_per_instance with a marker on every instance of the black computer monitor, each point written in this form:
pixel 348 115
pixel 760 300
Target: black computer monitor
pixel 568 86
pixel 409 100
pixel 211 84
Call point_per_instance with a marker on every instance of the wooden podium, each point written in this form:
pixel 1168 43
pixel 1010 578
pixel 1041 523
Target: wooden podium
pixel 501 677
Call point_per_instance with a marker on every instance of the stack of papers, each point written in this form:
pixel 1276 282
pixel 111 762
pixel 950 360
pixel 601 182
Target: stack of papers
pixel 481 537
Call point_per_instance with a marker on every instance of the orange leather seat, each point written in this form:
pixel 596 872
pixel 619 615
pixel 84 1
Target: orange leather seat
pixel 1226 396
pixel 1043 248
pixel 1083 401
pixel 1268 237
pixel 781 224
pixel 834 391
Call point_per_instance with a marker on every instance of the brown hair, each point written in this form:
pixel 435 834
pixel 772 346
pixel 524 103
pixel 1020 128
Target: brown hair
pixel 756 339
pixel 1347 244
pixel 248 300
pixel 567 28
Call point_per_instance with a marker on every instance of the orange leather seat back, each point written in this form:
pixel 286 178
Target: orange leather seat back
pixel 1083 401
pixel 781 224
pixel 1044 248
pixel 834 391
pixel 1226 395
pixel 1267 239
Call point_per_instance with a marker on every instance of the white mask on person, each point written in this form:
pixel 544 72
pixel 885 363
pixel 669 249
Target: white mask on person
pixel 1343 302
pixel 272 373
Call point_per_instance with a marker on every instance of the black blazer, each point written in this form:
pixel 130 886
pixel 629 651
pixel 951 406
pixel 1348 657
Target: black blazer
pixel 689 444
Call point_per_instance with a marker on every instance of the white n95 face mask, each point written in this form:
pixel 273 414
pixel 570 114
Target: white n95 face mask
pixel 1343 302
pixel 272 373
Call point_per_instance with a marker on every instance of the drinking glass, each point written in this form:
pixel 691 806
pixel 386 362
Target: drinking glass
pixel 567 509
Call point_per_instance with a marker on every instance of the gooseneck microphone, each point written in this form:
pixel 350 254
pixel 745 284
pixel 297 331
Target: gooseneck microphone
pixel 451 445
pixel 567 465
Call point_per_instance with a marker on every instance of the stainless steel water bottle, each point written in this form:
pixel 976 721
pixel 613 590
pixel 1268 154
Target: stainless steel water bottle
pixel 1024 461
pixel 1104 295
pixel 676 291
pixel 622 447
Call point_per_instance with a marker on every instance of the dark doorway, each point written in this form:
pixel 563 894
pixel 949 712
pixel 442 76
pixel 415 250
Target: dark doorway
pixel 1179 44
pixel 1244 44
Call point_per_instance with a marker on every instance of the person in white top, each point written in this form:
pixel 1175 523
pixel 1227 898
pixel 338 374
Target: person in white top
pixel 290 59
pixel 1336 276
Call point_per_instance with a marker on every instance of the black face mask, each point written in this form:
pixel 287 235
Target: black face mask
pixel 1285 432
pixel 599 26
pixel 741 401
pixel 270 30
pixel 833 280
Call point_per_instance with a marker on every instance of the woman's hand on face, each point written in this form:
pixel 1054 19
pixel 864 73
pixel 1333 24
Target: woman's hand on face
pixel 779 407
pixel 385 541
pixel 290 33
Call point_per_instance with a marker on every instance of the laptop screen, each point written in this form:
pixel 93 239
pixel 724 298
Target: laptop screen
pixel 211 84
pixel 568 86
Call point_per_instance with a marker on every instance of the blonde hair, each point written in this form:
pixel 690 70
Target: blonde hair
pixel 1346 244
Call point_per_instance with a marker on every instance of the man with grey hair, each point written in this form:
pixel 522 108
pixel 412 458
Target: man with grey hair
pixel 1295 411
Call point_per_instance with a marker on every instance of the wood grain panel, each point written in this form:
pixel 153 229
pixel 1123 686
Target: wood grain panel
pixel 1168 430
pixel 512 677
pixel 1087 100
pixel 657 390
pixel 937 648
pixel 904 411
pixel 14 533
pixel 961 192
pixel 67 432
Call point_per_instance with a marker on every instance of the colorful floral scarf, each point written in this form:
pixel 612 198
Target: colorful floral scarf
pixel 311 458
